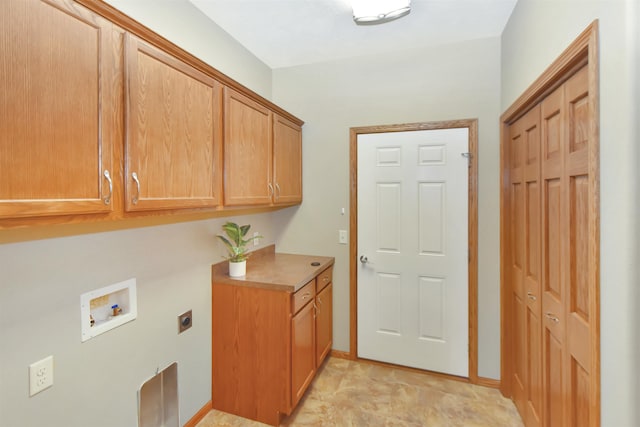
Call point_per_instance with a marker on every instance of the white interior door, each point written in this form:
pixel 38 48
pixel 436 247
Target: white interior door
pixel 413 245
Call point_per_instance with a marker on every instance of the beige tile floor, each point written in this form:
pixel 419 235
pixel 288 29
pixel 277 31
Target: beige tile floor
pixel 354 394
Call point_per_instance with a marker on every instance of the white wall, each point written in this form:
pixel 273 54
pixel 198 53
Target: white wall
pixel 536 34
pixel 96 382
pixel 449 82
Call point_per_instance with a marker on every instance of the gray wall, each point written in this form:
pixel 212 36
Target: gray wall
pixel 182 23
pixel 443 83
pixel 96 382
pixel 536 34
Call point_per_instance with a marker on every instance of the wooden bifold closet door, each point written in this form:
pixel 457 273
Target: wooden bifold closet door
pixel 567 321
pixel 550 226
pixel 524 139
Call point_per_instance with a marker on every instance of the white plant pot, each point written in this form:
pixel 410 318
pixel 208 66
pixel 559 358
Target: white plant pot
pixel 237 269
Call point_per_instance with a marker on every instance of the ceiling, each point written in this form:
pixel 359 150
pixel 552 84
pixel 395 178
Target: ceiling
pixel 284 33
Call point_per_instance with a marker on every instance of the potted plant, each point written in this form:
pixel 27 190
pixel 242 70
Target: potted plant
pixel 236 245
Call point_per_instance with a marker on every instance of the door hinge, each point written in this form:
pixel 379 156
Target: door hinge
pixel 469 156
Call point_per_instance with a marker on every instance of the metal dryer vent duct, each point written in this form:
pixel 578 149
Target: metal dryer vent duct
pixel 158 399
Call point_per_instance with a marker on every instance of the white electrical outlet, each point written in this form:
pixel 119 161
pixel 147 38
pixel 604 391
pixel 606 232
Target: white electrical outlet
pixel 40 375
pixel 256 241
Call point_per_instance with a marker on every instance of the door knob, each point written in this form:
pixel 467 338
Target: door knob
pixel 364 259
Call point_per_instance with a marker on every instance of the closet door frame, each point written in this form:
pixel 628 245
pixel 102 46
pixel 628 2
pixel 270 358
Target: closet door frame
pixel 583 51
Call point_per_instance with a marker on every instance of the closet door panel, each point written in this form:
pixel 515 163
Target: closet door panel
pixel 554 390
pixel 552 213
pixel 533 237
pixel 519 379
pixel 579 317
pixel 552 244
pixel 580 385
pixel 525 274
pixel 520 355
pixel 532 220
pixel 534 367
pixel 579 289
pixel 553 258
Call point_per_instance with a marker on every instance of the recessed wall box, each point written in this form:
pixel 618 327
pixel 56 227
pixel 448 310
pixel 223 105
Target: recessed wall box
pixel 106 308
pixel 185 320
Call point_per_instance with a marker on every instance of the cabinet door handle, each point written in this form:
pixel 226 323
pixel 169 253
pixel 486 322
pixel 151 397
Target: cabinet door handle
pixel 531 296
pixel 316 310
pixel 552 317
pixel 277 191
pixel 107 176
pixel 305 296
pixel 270 189
pixel 136 197
pixel 320 301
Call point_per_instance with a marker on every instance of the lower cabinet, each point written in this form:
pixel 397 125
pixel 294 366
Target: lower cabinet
pixel 324 323
pixel 267 345
pixel 303 362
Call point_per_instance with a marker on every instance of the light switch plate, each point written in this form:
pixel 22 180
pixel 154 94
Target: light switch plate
pixel 342 237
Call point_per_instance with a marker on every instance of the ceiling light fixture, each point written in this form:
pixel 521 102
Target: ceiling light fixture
pixel 371 12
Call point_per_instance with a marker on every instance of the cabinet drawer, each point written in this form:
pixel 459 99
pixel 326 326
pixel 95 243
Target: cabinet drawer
pixel 325 278
pixel 303 296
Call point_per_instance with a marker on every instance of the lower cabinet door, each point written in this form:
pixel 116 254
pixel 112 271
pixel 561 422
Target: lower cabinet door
pixel 324 323
pixel 303 365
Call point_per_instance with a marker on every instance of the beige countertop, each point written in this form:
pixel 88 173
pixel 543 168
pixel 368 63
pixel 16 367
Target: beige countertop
pixel 271 270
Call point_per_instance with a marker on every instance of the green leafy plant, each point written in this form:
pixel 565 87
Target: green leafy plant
pixel 235 241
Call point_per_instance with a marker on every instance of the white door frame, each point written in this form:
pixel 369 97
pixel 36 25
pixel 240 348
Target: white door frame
pixel 472 125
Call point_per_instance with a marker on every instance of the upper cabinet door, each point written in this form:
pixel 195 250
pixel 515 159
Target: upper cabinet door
pixel 247 151
pixel 287 161
pixel 173 125
pixel 59 101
